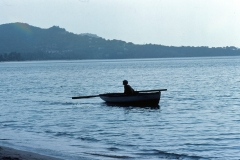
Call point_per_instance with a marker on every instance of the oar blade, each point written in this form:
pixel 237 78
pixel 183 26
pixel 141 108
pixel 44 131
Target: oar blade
pixel 81 97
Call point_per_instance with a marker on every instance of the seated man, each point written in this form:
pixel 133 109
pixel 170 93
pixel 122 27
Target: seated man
pixel 127 88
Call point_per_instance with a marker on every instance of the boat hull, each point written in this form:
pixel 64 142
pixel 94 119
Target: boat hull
pixel 141 99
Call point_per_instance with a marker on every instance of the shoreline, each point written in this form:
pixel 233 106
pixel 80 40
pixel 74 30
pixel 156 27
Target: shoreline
pixel 7 153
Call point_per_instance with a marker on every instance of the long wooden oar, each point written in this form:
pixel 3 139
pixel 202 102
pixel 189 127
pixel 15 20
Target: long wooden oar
pixel 152 90
pixel 79 97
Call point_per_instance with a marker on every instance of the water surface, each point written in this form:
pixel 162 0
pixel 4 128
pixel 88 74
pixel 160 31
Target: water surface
pixel 198 117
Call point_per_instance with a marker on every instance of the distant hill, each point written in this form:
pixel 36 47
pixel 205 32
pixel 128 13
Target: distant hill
pixel 21 41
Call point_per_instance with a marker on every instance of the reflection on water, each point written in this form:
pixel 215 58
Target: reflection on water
pixel 132 105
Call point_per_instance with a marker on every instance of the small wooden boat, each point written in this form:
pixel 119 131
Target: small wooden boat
pixel 145 97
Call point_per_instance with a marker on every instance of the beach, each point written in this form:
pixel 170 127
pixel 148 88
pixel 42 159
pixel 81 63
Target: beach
pixel 7 153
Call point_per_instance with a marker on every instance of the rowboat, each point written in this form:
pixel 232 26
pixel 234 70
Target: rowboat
pixel 141 98
pixel 148 98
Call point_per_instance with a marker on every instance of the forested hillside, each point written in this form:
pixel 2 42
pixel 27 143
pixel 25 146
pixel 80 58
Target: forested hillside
pixel 20 41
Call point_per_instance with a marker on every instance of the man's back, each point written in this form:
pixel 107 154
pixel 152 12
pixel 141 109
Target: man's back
pixel 128 89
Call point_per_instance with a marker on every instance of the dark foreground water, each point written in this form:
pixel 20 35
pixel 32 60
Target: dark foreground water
pixel 198 118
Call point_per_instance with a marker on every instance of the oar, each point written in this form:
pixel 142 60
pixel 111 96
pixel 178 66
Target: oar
pixel 153 90
pixel 79 97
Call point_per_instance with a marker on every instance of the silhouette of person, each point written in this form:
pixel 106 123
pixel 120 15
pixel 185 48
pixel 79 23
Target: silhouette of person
pixel 127 88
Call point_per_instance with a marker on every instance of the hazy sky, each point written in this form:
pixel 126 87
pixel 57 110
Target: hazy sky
pixel 213 23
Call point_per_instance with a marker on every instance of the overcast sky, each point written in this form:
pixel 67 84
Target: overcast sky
pixel 213 23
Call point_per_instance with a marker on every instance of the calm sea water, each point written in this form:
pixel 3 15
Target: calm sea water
pixel 198 118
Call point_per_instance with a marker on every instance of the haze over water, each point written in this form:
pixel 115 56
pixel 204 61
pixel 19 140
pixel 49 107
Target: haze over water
pixel 198 117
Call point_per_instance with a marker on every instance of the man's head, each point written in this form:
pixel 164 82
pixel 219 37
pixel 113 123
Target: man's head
pixel 125 82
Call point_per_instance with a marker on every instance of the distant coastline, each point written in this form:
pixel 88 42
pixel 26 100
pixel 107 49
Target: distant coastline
pixel 23 42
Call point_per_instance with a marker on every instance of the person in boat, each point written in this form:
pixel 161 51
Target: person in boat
pixel 127 88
